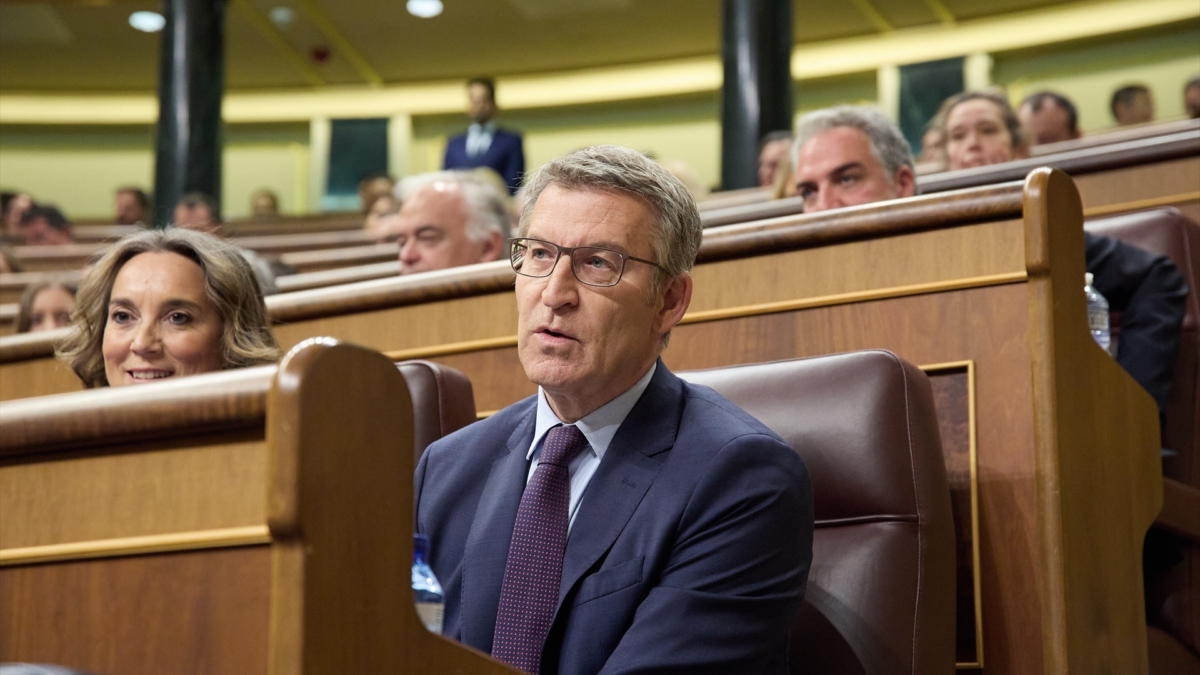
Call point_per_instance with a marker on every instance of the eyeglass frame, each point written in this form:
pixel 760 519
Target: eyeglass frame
pixel 570 251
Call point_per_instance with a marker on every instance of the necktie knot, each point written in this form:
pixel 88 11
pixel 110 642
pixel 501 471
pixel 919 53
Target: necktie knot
pixel 562 444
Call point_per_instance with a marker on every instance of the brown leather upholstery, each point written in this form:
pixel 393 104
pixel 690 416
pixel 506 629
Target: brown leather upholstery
pixel 1173 595
pixel 1168 232
pixel 880 595
pixel 443 401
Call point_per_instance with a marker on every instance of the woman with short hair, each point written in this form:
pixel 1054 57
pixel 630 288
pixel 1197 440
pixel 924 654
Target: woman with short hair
pixel 167 303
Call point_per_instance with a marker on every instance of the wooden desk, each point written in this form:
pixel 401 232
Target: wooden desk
pixel 255 521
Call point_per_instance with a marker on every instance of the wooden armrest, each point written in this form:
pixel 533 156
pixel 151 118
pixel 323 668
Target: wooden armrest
pixel 1181 510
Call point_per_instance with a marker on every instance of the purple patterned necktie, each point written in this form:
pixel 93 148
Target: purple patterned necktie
pixel 535 555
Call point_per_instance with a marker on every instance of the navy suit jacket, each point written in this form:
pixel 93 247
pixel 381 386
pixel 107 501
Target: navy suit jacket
pixel 689 552
pixel 505 155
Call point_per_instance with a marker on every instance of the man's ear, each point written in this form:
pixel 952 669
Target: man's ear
pixel 675 301
pixel 493 246
pixel 905 182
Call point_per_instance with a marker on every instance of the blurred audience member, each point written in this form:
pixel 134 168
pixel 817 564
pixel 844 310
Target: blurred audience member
pixel 168 303
pixel 14 210
pixel 45 306
pixel 447 219
pixel 1191 98
pixel 785 178
pixel 197 211
pixel 933 145
pixel 485 144
pixel 381 208
pixel 264 204
pixel 980 129
pixel 1049 118
pixel 45 226
pixel 850 155
pixel 372 187
pixel 132 206
pixel 773 149
pixel 1132 105
pixel 8 261
pixel 686 175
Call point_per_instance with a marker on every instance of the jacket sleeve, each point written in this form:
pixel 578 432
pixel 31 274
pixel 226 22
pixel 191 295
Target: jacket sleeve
pixel 1150 293
pixel 737 570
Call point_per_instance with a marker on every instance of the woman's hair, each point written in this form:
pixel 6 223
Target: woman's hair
pixel 1011 122
pixel 25 309
pixel 229 284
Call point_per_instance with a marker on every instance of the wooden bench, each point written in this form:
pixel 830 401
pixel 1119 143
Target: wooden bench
pixel 1129 175
pixel 250 521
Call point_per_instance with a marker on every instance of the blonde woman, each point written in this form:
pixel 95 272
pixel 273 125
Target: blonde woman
pixel 161 304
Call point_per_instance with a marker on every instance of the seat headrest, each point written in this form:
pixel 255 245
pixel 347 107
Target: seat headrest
pixel 863 422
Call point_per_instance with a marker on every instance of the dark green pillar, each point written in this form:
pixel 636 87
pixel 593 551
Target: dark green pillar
pixel 191 83
pixel 756 99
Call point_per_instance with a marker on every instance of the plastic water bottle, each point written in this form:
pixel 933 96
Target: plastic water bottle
pixel 1097 315
pixel 427 592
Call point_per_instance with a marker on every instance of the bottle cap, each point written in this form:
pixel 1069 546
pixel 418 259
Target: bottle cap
pixel 420 544
pixel 1087 278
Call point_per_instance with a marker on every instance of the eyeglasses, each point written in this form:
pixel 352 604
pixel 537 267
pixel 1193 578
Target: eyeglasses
pixel 592 265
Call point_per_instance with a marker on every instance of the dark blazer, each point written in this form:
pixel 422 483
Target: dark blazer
pixel 689 552
pixel 505 155
pixel 1151 295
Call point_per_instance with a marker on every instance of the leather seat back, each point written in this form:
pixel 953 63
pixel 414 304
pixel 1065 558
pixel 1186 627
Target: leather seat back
pixel 443 401
pixel 881 592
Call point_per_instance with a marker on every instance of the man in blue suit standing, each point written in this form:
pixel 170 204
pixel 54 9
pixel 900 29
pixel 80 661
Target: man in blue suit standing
pixel 485 144
pixel 621 520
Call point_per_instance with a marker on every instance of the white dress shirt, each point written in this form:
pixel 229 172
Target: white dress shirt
pixel 479 138
pixel 598 427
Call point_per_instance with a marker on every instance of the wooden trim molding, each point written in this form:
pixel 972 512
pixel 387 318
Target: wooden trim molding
pixel 969 367
pixel 250 535
pixel 209 403
pixel 1142 204
pixel 742 311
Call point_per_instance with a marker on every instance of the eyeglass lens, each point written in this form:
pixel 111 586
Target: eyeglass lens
pixel 594 266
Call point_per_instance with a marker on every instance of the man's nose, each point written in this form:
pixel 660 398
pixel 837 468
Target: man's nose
pixel 562 288
pixel 409 253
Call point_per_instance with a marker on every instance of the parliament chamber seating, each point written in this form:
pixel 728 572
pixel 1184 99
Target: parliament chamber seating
pixel 881 590
pixel 261 518
pixel 1173 594
pixel 1042 432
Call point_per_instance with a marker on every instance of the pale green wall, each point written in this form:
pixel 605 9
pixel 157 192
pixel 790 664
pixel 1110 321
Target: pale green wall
pixel 1089 72
pixel 79 169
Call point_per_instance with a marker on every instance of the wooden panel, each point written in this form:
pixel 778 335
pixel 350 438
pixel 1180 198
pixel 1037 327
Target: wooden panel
pixel 141 490
pixel 40 377
pixel 194 613
pixel 1175 177
pixel 410 326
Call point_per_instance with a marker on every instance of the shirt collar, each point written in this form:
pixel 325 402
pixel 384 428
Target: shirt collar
pixel 599 426
pixel 485 128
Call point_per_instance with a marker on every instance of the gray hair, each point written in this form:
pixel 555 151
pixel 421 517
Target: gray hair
pixel 487 206
pixel 675 239
pixel 887 143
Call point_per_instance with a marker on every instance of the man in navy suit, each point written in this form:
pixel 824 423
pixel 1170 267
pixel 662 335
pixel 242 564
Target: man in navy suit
pixel 485 144
pixel 621 520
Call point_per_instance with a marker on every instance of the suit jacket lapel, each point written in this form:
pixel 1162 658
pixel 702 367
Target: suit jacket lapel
pixel 486 553
pixel 624 475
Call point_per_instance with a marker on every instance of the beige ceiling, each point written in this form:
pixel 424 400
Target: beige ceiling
pixel 87 45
